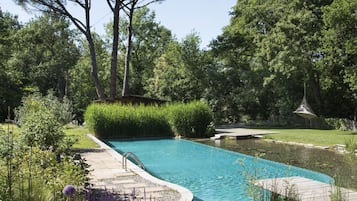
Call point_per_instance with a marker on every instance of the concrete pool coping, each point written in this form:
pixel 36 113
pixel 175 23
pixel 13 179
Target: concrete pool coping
pixel 186 195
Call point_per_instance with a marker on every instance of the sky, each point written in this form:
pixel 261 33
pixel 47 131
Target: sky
pixel 205 17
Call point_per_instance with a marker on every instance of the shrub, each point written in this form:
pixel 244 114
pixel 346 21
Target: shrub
pixel 35 164
pixel 62 110
pixel 41 129
pixel 337 123
pixel 30 173
pixel 127 121
pixel 41 119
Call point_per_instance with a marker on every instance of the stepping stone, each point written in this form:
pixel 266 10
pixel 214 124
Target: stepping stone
pixel 154 189
pixel 126 181
pixel 135 185
pixel 151 195
pixel 125 174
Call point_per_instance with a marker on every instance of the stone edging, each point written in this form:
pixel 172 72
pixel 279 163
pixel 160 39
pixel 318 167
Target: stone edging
pixel 186 195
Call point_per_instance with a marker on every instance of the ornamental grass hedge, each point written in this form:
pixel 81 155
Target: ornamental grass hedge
pixel 138 121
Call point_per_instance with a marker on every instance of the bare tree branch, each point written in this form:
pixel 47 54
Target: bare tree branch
pixel 110 5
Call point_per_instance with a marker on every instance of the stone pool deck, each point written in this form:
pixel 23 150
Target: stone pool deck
pixel 107 173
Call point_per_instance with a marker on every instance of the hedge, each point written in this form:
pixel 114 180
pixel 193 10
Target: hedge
pixel 129 121
pixel 190 120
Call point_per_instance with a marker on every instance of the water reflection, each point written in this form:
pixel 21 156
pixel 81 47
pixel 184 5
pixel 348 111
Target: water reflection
pixel 338 166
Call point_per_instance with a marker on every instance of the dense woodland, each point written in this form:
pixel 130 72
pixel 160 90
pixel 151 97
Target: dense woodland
pixel 254 70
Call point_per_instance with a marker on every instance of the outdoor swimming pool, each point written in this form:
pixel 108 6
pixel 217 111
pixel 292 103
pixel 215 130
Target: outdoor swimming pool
pixel 210 173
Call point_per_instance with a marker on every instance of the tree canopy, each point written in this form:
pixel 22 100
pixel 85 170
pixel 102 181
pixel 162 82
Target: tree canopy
pixel 254 70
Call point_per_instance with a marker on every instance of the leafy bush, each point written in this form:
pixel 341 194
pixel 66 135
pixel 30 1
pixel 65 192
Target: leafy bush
pixel 36 163
pixel 127 121
pixel 336 123
pixel 30 173
pixel 36 103
pixel 41 119
pixel 42 129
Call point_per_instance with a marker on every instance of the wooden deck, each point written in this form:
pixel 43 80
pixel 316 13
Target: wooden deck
pixel 305 189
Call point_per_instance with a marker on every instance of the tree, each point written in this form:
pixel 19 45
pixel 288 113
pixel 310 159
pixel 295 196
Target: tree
pixel 339 64
pixel 150 39
pixel 43 52
pixel 177 72
pixel 60 7
pixel 148 42
pixel 81 89
pixel 273 47
pixel 131 7
pixel 10 87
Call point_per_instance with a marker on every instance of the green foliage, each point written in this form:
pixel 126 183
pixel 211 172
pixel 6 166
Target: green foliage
pixel 43 52
pixel 41 119
pixel 254 70
pixel 126 121
pixel 191 120
pixel 177 75
pixel 61 111
pixel 30 173
pixel 351 145
pixel 41 129
pixel 150 40
pixel 337 123
pixel 82 90
pixel 10 88
pixel 338 66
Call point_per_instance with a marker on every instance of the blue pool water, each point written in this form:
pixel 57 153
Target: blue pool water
pixel 210 173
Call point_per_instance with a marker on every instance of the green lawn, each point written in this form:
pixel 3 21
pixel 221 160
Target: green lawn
pixel 78 132
pixel 313 136
pixel 81 134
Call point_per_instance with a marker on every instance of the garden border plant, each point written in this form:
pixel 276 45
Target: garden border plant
pixel 37 161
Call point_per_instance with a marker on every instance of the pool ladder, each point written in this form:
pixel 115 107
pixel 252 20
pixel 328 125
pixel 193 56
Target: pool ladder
pixel 136 159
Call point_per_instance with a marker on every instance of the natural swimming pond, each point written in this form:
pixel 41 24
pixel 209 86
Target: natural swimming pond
pixel 341 167
pixel 210 173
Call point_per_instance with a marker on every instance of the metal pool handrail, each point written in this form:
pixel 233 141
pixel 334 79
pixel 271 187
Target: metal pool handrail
pixel 126 155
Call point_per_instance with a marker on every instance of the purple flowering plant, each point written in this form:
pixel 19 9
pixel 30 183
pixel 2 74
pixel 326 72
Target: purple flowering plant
pixel 68 190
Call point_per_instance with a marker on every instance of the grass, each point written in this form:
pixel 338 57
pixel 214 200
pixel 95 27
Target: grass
pixel 313 136
pixel 78 132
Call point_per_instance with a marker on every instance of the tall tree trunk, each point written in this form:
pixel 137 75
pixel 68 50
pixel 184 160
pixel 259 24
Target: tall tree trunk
pixel 60 8
pixel 98 86
pixel 114 59
pixel 125 90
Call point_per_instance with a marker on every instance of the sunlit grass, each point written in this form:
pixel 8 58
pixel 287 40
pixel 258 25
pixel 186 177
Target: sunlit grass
pixel 313 136
pixel 78 132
